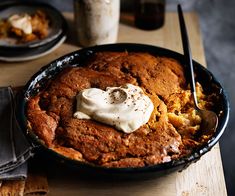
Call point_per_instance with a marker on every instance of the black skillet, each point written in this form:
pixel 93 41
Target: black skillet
pixel 48 72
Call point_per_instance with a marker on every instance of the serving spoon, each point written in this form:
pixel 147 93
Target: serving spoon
pixel 209 118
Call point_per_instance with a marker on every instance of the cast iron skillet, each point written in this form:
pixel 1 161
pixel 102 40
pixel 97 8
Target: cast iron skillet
pixel 40 79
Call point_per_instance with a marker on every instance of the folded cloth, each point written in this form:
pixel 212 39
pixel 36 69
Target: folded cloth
pixel 14 147
pixel 16 174
pixel 7 153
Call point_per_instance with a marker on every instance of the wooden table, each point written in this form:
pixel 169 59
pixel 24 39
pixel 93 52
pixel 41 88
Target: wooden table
pixel 202 178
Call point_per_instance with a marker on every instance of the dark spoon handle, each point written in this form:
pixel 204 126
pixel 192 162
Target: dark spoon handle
pixel 187 54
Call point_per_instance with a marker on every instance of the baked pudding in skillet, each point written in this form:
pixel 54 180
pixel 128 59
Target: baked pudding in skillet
pixel 120 109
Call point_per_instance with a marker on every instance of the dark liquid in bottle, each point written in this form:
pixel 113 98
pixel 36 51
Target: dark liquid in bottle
pixel 149 15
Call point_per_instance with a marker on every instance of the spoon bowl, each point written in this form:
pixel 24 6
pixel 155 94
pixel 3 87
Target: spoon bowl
pixel 209 121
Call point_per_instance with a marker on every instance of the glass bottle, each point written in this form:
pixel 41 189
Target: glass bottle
pixel 149 14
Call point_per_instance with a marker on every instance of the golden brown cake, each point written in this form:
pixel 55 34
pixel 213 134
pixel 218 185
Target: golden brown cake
pixel 170 133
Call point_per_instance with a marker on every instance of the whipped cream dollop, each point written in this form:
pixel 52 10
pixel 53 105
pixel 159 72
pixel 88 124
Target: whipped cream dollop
pixel 126 107
pixel 22 22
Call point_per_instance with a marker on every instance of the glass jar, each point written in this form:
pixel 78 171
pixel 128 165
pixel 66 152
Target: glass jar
pixel 96 21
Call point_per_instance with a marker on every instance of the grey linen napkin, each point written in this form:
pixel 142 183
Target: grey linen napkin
pixel 15 150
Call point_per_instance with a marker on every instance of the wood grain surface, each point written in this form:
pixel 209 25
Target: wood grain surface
pixel 202 178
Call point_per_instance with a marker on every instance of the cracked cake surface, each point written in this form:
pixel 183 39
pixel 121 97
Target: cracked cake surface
pixel 169 134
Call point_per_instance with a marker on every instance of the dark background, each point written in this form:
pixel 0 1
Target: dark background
pixel 217 20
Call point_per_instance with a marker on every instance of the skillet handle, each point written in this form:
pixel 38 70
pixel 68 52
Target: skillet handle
pixel 21 121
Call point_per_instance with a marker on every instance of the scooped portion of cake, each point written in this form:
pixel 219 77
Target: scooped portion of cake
pixel 25 27
pixel 170 131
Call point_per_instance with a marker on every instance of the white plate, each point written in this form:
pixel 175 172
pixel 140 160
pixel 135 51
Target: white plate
pixel 28 56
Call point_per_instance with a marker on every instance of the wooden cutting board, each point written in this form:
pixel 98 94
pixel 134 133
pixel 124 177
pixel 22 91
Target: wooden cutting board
pixel 202 178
